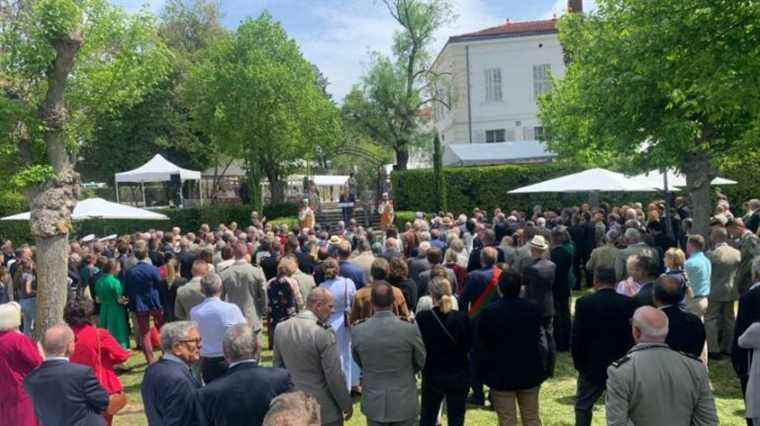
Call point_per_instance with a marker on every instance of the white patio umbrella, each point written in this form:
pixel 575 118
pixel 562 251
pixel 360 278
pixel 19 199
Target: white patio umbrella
pixel 593 180
pixel 98 208
pixel 675 179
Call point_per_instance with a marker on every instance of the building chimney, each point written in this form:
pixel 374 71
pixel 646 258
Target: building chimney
pixel 575 6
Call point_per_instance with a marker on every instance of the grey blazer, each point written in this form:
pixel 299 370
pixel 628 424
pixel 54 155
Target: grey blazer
pixel 725 263
pixel 390 352
pixel 310 353
pixel 244 285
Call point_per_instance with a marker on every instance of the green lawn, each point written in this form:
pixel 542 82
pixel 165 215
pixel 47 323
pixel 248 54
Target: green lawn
pixel 557 396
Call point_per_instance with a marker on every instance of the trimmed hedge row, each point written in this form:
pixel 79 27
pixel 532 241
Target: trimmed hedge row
pixel 486 187
pixel 187 219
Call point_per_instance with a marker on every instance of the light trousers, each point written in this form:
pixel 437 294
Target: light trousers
pixel 506 410
pixel 698 306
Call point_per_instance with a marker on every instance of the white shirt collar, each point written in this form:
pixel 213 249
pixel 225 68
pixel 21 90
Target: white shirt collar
pixel 57 358
pixel 242 362
pixel 755 285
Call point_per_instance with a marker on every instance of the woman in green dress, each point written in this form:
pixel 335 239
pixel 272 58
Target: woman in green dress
pixel 110 294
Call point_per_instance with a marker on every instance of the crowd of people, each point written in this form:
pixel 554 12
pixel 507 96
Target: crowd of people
pixel 467 303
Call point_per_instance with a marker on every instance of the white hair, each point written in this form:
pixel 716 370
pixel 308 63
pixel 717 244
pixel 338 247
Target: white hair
pixel 173 332
pixel 632 235
pixel 648 332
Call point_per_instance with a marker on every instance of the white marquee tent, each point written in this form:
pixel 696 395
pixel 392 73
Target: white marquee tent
pixel 158 169
pixel 675 179
pixel 593 180
pixel 98 208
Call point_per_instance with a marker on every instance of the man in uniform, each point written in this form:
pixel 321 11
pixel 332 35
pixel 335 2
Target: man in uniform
pixel 244 285
pixel 655 385
pixel 390 352
pixel 307 347
pixel 749 246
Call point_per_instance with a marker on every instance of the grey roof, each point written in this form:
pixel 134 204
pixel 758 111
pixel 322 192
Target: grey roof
pixel 496 153
pixel 236 168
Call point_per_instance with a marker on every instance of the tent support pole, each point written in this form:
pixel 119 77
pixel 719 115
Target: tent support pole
pixel 117 192
pixel 668 221
pixel 142 189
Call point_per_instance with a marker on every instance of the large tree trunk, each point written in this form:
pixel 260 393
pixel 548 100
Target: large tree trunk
pixel 277 188
pixel 53 202
pixel 402 158
pixel 699 173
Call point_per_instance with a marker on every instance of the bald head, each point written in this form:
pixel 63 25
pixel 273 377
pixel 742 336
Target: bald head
pixel 58 341
pixel 317 296
pixel 650 325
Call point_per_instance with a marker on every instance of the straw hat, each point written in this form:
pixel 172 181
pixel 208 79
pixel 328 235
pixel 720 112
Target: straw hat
pixel 539 242
pixel 10 316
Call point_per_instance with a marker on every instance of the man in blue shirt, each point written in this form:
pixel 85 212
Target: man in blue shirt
pixel 142 282
pixel 348 269
pixel 214 317
pixel 698 270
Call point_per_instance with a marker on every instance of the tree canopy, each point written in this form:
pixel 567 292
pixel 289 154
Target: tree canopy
pixel 658 84
pixel 386 104
pixel 257 98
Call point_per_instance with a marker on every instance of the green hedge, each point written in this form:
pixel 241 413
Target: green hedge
pixel 487 187
pixel 280 210
pixel 186 219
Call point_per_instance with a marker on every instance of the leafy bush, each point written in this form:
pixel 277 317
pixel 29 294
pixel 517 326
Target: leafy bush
pixel 487 187
pixel 403 217
pixel 291 221
pixel 274 211
pixel 186 219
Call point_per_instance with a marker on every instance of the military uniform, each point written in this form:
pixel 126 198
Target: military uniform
pixel 749 246
pixel 654 385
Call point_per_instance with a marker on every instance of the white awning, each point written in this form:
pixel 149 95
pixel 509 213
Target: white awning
pixel 98 208
pixel 588 181
pixel 158 169
pixel 654 178
pixel 470 154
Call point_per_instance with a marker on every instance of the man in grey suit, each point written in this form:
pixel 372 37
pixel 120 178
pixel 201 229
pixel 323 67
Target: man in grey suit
pixel 306 346
pixel 719 318
pixel 390 352
pixel 632 238
pixel 244 285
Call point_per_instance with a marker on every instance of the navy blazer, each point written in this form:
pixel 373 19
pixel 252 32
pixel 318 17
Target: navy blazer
pixel 686 332
pixel 476 283
pixel 169 393
pixel 66 393
pixel 142 283
pixel 352 272
pixel 242 395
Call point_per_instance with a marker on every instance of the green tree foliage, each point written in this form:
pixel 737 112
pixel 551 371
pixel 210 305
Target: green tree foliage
pixel 659 84
pixel 63 63
pixel 386 104
pixel 256 97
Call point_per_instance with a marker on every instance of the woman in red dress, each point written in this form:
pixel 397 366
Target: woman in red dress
pixel 95 347
pixel 18 356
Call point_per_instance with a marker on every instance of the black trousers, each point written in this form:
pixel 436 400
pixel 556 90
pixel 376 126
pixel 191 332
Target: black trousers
pixel 588 392
pixel 212 368
pixel 562 323
pixel 432 396
pixel 475 383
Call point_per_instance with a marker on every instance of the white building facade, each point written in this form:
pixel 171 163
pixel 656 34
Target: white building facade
pixel 492 80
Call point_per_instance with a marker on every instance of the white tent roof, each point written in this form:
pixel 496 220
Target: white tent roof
pixel 98 208
pixel 587 181
pixel 675 179
pixel 469 154
pixel 158 169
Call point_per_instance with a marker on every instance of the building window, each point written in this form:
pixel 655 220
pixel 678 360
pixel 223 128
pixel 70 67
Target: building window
pixel 538 133
pixel 542 82
pixel 493 85
pixel 496 135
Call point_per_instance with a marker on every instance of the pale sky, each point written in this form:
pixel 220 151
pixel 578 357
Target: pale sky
pixel 337 35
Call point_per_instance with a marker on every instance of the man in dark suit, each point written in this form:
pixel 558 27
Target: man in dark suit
pixel 510 352
pixel 475 297
pixel 601 335
pixel 686 331
pixel 647 270
pixel 242 395
pixel 749 312
pixel 347 268
pixel 538 279
pixel 419 263
pixel 64 393
pixel 169 389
